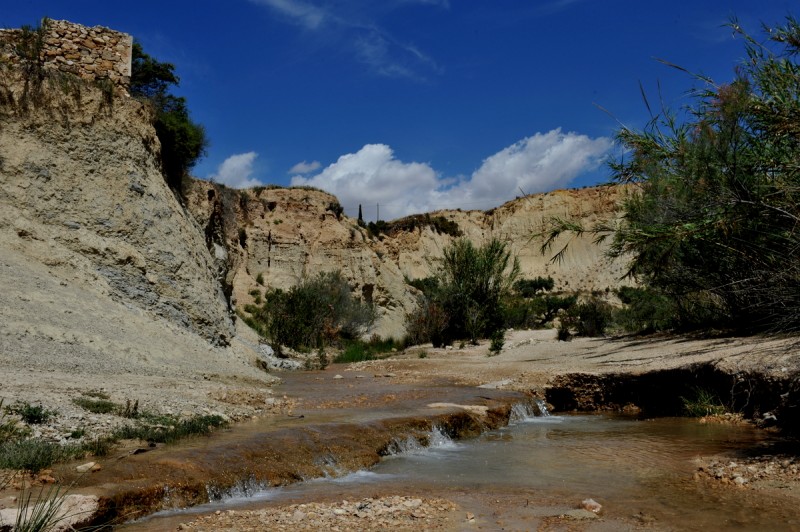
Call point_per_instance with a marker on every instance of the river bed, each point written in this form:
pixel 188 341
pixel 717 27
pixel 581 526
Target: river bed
pixel 531 473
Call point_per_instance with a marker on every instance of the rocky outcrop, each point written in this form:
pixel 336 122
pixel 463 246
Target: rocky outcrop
pixel 81 191
pixel 281 236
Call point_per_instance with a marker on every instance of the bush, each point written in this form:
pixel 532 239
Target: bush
pixel 712 219
pixel 466 301
pixel 704 403
pixel 523 313
pixel 336 208
pixel 438 224
pixel 528 288
pixel 316 313
pixel 497 342
pixel 97 406
pixel 170 430
pixel 183 142
pixel 358 350
pixel 30 455
pixel 590 318
pixel 645 310
pixel 31 414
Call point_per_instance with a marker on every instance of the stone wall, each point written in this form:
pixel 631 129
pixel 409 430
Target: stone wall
pixel 89 53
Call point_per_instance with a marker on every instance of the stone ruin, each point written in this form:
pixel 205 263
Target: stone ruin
pixel 90 53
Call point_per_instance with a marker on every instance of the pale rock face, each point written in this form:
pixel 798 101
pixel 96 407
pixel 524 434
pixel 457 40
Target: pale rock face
pixel 291 234
pixel 83 194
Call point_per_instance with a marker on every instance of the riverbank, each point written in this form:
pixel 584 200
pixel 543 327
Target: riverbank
pixel 315 419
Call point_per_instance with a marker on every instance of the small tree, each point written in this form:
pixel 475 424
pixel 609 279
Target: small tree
pixel 183 142
pixel 470 286
pixel 313 314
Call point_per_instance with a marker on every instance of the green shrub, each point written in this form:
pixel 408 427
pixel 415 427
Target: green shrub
pixel 465 298
pixel 183 142
pixel 30 455
pixel 590 318
pixel 316 313
pixel 8 426
pixel 704 403
pixel 438 224
pixel 358 350
pixel 97 406
pixel 260 278
pixel 336 208
pixel 169 430
pixel 645 310
pixel 531 287
pixel 523 313
pixel 31 414
pixel 497 342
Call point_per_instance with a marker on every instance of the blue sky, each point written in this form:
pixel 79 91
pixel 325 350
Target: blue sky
pixel 421 104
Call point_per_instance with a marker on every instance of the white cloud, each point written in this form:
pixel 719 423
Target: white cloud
pixel 305 168
pixel 372 175
pixel 308 15
pixel 354 26
pixel 235 171
pixel 545 161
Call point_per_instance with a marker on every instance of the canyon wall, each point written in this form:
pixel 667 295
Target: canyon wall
pixel 284 235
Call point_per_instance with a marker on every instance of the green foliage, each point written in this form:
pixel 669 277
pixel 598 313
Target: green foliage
pixel 260 278
pixel 497 342
pixel 523 313
pixel 30 455
pixel 438 224
pixel 336 208
pixel 590 318
pixel 29 49
pixel 358 350
pixel 8 427
pixel 42 513
pixel 31 414
pixel 426 285
pixel 553 305
pixel 97 406
pixel 170 430
pixel 646 310
pixel 712 222
pixel 467 301
pixel 316 313
pixel 183 142
pixel 704 403
pixel 716 223
pixel 531 287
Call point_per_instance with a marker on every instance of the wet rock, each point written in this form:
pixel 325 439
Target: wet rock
pixel 591 505
pixel 85 468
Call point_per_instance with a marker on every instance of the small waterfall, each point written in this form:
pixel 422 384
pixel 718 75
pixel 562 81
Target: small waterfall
pixel 329 466
pixel 542 406
pixel 527 410
pixel 411 445
pixel 244 489
pixel 439 438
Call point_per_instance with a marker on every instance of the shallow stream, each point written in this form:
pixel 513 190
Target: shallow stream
pixel 540 467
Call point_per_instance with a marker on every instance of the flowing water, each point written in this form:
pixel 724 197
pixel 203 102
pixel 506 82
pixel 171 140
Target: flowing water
pixel 543 466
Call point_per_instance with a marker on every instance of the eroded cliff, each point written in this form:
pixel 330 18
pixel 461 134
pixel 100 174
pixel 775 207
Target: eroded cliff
pixel 286 235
